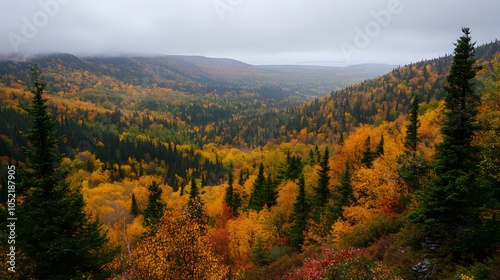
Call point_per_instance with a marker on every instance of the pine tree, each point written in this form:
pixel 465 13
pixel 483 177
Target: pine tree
pixel 412 165
pixel 411 138
pixel 451 206
pixel 232 198
pixel 195 206
pixel 300 211
pixel 154 208
pixel 322 190
pixel 257 197
pixel 259 255
pixel 345 192
pixel 367 158
pixel 54 232
pixel 134 208
pixel 270 192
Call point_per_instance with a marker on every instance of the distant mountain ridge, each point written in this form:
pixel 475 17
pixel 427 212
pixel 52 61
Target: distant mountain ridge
pixel 372 101
pixel 185 73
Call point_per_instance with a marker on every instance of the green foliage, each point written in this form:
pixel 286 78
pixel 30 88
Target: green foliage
pixel 58 238
pixel 369 232
pixel 322 191
pixel 292 169
pixel 368 155
pixel 134 208
pixel 345 195
pixel 451 208
pixel 411 138
pixel 264 191
pixel 231 197
pixel 411 165
pixel 154 208
pixel 300 214
pixel 195 204
pixel 259 255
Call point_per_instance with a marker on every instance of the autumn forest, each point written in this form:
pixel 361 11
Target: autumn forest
pixel 196 168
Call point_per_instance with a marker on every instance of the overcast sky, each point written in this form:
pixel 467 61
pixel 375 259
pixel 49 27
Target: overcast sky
pixel 320 32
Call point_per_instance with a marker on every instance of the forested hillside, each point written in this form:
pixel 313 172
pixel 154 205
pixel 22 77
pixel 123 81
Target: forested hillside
pixel 198 168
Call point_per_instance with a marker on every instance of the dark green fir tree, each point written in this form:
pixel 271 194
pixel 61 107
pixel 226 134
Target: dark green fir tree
pixel 367 157
pixel 195 206
pixel 452 206
pixel 134 208
pixel 270 192
pixel 154 208
pixel 300 214
pixel 345 195
pixel 322 191
pixel 258 197
pixel 412 164
pixel 411 138
pixel 54 234
pixel 231 197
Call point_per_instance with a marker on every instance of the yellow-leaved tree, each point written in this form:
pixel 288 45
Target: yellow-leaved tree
pixel 180 249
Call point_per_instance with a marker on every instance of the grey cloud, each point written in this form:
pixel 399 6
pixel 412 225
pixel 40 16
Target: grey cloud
pixel 255 31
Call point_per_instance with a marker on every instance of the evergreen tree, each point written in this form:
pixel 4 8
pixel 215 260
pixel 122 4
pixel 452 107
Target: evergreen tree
pixel 412 165
pixel 300 210
pixel 257 197
pixel 367 158
pixel 259 255
pixel 134 208
pixel 411 138
pixel 345 192
pixel 452 205
pixel 232 198
pixel 194 192
pixel 54 232
pixel 194 203
pixel 154 208
pixel 270 192
pixel 322 190
pixel 241 181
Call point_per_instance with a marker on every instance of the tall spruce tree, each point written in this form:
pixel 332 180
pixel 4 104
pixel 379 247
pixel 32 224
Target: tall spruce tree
pixel 134 208
pixel 345 195
pixel 231 197
pixel 322 191
pixel 452 205
pixel 367 158
pixel 154 208
pixel 195 206
pixel 270 191
pixel 258 196
pixel 411 138
pixel 55 234
pixel 300 213
pixel 412 165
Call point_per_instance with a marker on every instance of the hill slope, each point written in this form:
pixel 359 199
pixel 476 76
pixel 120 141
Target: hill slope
pixel 370 102
pixel 192 74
